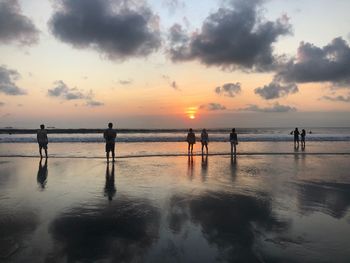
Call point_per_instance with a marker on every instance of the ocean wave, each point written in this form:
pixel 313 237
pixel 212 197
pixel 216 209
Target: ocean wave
pixel 127 138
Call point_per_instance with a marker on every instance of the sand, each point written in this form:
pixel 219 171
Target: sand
pixel 176 209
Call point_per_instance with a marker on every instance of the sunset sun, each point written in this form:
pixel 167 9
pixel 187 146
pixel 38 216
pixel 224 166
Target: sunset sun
pixel 191 112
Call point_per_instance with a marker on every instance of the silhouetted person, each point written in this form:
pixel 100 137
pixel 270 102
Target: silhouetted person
pixel 110 136
pixel 191 139
pixel 204 140
pixel 296 137
pixel 42 139
pixel 110 189
pixel 42 174
pixel 303 135
pixel 233 141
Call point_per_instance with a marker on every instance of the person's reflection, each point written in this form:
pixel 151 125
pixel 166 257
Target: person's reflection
pixel 42 174
pixel 110 189
pixel 190 167
pixel 233 167
pixel 296 153
pixel 204 167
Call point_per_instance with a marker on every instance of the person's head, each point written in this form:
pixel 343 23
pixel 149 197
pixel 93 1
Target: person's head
pixel 303 130
pixel 42 126
pixel 234 130
pixel 110 125
pixel 296 129
pixel 204 130
pixel 190 130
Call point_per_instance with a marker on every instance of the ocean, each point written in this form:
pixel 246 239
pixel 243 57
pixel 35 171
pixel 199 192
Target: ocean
pixel 173 135
pixel 142 143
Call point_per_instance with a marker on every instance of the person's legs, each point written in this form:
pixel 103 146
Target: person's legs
pixel 231 148
pixel 45 149
pixel 40 151
pixel 113 151
pixel 206 147
pixel 235 150
pixel 191 148
pixel 202 147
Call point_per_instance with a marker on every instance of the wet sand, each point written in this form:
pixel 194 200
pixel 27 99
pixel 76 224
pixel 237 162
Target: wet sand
pixel 280 208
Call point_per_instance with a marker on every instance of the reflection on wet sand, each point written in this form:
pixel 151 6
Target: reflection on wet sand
pixel 190 167
pixel 42 174
pixel 120 232
pixel 204 166
pixel 110 189
pixel 14 227
pixel 245 209
pixel 230 222
pixel 330 198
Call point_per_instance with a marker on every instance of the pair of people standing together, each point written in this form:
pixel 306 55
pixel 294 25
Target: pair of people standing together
pixel 296 134
pixel 191 139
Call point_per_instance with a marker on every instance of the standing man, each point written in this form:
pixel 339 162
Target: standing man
pixel 234 142
pixel 191 139
pixel 41 137
pixel 110 136
pixel 296 137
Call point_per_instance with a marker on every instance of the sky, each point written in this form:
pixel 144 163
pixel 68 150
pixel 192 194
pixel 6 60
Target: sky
pixel 174 63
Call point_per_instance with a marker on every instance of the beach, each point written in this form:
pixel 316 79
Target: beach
pixel 262 207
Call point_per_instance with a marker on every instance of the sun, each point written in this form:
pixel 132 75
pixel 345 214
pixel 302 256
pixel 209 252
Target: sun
pixel 191 112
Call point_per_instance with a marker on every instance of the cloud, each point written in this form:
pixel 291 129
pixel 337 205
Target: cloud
pixel 174 85
pixel 275 108
pixel 276 90
pixel 339 98
pixel 7 79
pixel 125 82
pixel 213 106
pixel 14 26
pixel 119 29
pixel 94 103
pixel 62 91
pixel 229 89
pixel 330 63
pixel 235 36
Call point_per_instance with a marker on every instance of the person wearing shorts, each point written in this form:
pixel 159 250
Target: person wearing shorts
pixel 234 142
pixel 109 135
pixel 204 140
pixel 42 140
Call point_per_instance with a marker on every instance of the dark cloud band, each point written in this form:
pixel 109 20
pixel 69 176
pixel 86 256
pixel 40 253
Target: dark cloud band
pixel 119 29
pixel 7 82
pixel 232 37
pixel 14 26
